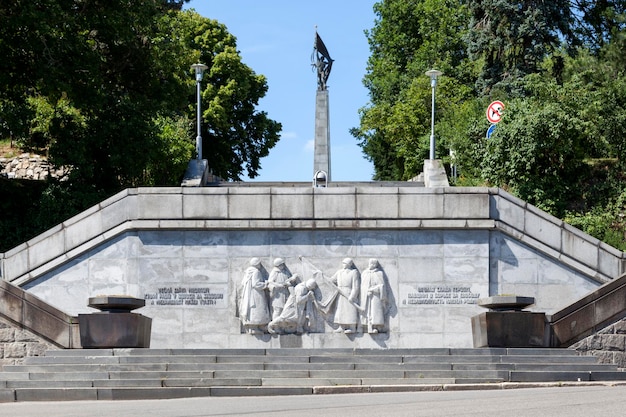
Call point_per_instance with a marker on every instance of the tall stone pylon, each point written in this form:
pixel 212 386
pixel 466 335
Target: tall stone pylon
pixel 322 62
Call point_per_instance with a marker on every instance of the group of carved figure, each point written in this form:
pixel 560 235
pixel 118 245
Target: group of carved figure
pixel 282 302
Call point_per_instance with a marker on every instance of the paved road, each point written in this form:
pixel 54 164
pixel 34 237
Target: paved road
pixel 583 401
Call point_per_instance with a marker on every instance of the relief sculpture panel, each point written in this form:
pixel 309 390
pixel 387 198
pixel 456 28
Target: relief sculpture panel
pixel 282 302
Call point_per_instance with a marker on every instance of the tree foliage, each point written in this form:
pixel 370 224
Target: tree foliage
pixel 512 38
pixel 409 38
pixel 558 67
pixel 597 23
pixel 236 135
pixel 105 88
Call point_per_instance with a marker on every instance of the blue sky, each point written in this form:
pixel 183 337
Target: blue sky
pixel 275 38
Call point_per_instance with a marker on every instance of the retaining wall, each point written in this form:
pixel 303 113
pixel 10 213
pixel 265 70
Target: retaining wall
pixel 449 245
pixel 17 344
pixel 608 345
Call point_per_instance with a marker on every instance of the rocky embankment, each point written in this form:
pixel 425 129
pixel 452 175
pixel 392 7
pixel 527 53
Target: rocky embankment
pixel 30 167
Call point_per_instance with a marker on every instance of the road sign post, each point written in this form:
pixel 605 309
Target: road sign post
pixel 490 131
pixel 494 112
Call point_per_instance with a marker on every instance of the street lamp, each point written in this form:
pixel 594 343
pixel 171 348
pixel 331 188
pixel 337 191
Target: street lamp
pixel 199 69
pixel 433 74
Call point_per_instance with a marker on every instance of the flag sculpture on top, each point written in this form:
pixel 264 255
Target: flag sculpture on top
pixel 321 61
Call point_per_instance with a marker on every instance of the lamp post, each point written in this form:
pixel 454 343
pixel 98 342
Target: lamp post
pixel 199 70
pixel 433 74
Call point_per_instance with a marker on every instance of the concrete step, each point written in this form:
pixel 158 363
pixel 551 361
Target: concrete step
pixel 549 376
pixel 174 373
pixel 534 367
pixel 51 367
pixel 83 394
pixel 312 382
pixel 313 351
pixel 49 384
pixel 510 359
pixel 11 371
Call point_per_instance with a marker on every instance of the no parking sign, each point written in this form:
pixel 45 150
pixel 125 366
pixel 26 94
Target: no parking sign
pixel 494 112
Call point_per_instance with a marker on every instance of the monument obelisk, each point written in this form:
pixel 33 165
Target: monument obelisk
pixel 322 62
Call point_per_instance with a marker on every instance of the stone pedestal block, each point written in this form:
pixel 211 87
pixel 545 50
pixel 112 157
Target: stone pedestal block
pixel 114 330
pixel 435 174
pixel 115 326
pixel 511 329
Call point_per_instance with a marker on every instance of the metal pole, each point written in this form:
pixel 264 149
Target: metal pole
pixel 433 83
pixel 433 74
pixel 199 115
pixel 199 70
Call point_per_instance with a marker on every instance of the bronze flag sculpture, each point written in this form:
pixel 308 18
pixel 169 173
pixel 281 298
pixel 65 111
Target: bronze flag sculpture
pixel 321 61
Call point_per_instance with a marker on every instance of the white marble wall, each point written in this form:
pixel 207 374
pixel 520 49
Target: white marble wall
pixel 452 268
pixel 517 269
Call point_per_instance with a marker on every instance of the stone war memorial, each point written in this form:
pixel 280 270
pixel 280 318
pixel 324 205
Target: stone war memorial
pixel 361 265
pixel 218 288
pixel 379 265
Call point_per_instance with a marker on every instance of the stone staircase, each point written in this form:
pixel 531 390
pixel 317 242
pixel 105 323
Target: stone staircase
pixel 127 374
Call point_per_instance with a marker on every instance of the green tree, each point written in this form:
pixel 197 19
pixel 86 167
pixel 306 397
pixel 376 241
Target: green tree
pixel 409 38
pixel 105 88
pixel 235 134
pixel 121 66
pixel 512 38
pixel 537 152
pixel 88 61
pixel 557 66
pixel 596 23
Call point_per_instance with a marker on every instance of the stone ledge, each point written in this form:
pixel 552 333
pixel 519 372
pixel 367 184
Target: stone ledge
pixel 36 316
pixel 19 264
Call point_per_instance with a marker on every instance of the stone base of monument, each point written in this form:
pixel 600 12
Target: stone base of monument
pixel 435 174
pixel 115 326
pixel 198 174
pixel 507 325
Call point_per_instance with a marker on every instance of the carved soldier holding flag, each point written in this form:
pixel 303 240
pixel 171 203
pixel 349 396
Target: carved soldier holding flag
pixel 321 61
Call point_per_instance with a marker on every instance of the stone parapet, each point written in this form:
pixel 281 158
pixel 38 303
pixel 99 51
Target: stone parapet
pixel 299 206
pixel 590 314
pixel 25 315
pixel 188 252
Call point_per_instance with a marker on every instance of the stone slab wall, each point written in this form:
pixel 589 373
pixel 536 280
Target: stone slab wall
pixel 608 345
pixel 191 281
pixel 17 344
pixel 186 249
pixel 297 207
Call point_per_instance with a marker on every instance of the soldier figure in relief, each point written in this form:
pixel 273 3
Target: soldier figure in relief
pixel 299 310
pixel 254 307
pixel 374 297
pixel 279 284
pixel 348 281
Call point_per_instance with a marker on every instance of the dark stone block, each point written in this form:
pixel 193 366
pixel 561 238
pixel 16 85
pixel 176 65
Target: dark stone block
pixel 114 330
pixel 509 329
pixel 506 302
pixel 116 304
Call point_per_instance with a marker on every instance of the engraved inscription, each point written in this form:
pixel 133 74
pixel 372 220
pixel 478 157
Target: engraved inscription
pixel 186 296
pixel 441 295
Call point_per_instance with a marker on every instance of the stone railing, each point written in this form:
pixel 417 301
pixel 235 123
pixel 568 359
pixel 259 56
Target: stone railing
pixel 590 315
pixel 23 315
pixel 595 325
